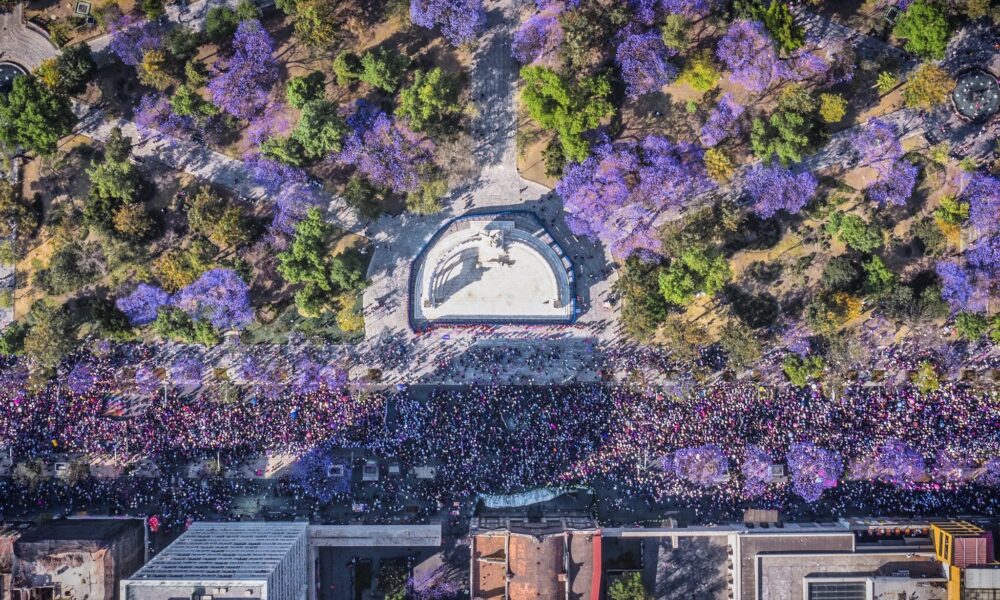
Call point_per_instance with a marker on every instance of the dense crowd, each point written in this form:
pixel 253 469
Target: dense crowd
pixel 917 449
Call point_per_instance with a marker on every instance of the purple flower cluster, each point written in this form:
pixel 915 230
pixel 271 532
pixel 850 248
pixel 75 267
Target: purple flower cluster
pixel 723 121
pixel 273 121
pixel 242 89
pixel 536 38
pixel 219 295
pixel 775 188
pixel 895 186
pixel 813 469
pixel 387 153
pixel 805 65
pixel 962 290
pixel 146 380
pixel 750 55
pixel 143 303
pixel 461 21
pixel 877 145
pixel 291 206
pixel 702 465
pixel 688 8
pixel 983 195
pixel 756 470
pixel 273 175
pixel 154 114
pixel 984 255
pixel 616 194
pixel 898 463
pixel 187 370
pixel 131 37
pixel 314 472
pixel 81 379
pixel 311 376
pixel 642 58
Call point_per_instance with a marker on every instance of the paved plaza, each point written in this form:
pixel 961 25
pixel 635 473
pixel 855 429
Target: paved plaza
pixel 22 43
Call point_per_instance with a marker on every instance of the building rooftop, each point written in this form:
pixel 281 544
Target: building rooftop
pixel 814 542
pixel 224 551
pixel 788 576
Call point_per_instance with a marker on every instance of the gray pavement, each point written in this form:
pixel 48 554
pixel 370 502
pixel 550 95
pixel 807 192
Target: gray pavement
pixel 23 43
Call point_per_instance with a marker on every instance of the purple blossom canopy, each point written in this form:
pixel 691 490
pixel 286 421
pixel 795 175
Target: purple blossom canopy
pixel 984 255
pixel 688 8
pixel 805 66
pixel 895 186
pixel 703 465
pixel 461 21
pixel 155 115
pixel 385 152
pixel 722 122
pixel 877 145
pixel 813 469
pixel 146 380
pixel 242 88
pixel 960 289
pixel 273 175
pixel 313 471
pixel 187 370
pixel 536 38
pixel 311 376
pixel 642 58
pixel 756 470
pixel 143 303
pixel 776 188
pixel 899 463
pixel 272 122
pixel 750 55
pixel 616 194
pixel 131 37
pixel 291 206
pixel 219 295
pixel 81 379
pixel 983 196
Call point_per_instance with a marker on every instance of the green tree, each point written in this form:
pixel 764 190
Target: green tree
pixel 347 67
pixel 427 199
pixel 925 378
pixel 287 150
pixel 224 223
pixel 174 324
pixel 855 232
pixel 34 117
pixel 700 72
pixel 628 587
pixel 195 73
pixel 76 67
pixel 779 21
pixel 320 129
pixel 801 371
pixel 132 222
pixel 569 110
pixel 878 277
pixel 187 102
pixel 694 272
pixel 112 183
pixel 971 326
pixel 220 24
pixel 929 86
pixel 364 197
pixel 306 88
pixel 316 23
pixel 840 274
pixel 924 26
pixel 153 9
pixel 51 334
pixel 117 147
pixel 383 69
pixel 740 344
pixel 718 165
pixel 429 100
pixel 153 70
pixel 644 308
pixel 790 131
pixel 885 82
pixel 674 32
pixel 952 211
pixel 248 10
pixel 17 219
pixel 182 43
pixel 827 312
pixel 931 237
pixel 832 107
pixel 67 270
pixel 12 338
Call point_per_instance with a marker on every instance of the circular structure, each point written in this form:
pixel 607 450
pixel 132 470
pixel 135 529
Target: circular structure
pixel 492 268
pixel 976 95
pixel 8 72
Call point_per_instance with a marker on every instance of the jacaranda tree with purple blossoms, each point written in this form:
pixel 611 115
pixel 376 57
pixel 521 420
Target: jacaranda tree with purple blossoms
pixel 81 379
pixel 461 21
pixel 155 114
pixel 962 289
pixel 187 370
pixel 703 465
pixel 314 472
pixel 756 470
pixel 722 122
pixel 814 469
pixel 616 194
pixel 131 37
pixel 895 186
pixel 243 86
pixel 539 36
pixel 143 303
pixel 220 296
pixel 750 55
pixel 899 463
pixel 775 188
pixel 385 152
pixel 643 60
pixel 983 195
pixel 877 145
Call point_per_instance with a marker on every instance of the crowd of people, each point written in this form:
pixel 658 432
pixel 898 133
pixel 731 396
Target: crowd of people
pixel 615 438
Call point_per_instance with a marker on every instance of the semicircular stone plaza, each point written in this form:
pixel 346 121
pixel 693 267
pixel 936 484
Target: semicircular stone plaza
pixel 494 268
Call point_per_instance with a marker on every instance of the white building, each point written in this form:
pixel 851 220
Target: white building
pixel 227 561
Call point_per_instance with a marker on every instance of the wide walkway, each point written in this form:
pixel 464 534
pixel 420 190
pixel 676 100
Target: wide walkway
pixel 23 43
